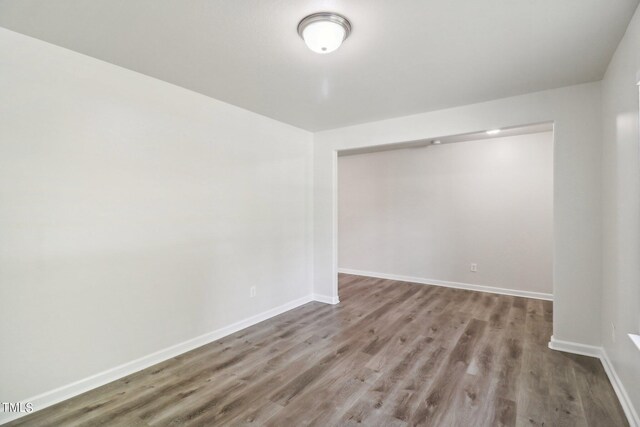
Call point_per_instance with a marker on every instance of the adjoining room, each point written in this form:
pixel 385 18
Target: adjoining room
pixel 471 211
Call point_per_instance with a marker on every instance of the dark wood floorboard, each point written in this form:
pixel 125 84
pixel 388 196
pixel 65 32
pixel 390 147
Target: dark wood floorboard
pixel 390 354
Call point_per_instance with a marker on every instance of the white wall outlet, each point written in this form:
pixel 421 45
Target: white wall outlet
pixel 252 292
pixel 474 267
pixel 613 332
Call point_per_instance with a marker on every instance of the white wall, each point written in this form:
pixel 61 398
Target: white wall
pixel 621 210
pixel 576 114
pixel 134 215
pixel 430 212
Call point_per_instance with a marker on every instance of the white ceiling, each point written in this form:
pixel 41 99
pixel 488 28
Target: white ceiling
pixel 403 56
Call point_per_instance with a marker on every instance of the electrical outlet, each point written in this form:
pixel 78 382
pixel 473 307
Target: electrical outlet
pixel 252 292
pixel 613 332
pixel 474 267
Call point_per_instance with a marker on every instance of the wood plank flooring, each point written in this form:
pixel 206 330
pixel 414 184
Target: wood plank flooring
pixel 390 354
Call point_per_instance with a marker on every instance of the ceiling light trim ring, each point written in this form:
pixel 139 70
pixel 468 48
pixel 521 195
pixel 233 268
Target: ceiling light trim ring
pixel 327 17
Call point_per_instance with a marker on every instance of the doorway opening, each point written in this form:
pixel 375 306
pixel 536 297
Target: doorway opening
pixel 472 211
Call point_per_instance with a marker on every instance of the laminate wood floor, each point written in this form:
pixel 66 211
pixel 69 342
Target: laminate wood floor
pixel 390 354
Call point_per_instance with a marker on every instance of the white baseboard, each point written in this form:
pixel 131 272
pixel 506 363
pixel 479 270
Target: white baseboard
pixel 616 383
pixel 457 285
pixel 621 392
pixel 325 299
pixel 575 348
pixel 68 391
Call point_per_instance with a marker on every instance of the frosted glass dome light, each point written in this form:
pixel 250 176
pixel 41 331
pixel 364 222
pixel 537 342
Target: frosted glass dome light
pixel 324 32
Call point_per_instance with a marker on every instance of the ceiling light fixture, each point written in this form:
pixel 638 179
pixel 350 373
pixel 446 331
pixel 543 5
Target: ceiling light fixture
pixel 436 142
pixel 493 132
pixel 324 32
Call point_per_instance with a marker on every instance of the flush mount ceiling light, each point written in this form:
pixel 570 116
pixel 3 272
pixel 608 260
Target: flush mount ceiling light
pixel 324 32
pixel 493 132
